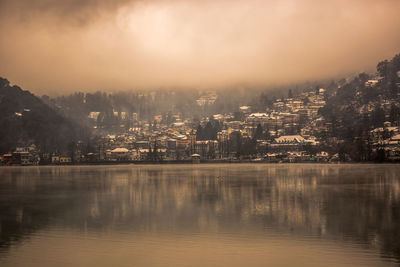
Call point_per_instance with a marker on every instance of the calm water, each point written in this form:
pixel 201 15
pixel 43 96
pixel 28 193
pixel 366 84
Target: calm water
pixel 200 215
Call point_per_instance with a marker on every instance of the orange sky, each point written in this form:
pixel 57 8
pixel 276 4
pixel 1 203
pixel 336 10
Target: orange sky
pixel 58 46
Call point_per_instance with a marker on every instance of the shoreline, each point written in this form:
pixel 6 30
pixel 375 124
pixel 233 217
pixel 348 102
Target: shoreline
pixel 190 162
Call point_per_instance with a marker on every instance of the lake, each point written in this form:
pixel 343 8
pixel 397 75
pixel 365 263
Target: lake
pixel 200 215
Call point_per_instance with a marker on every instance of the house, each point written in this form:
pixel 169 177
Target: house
pixel 55 159
pixel 371 83
pixel 258 117
pixel 206 149
pixel 7 159
pixel 287 143
pixel 195 158
pixel 271 157
pixel 289 139
pixel 65 160
pixel 322 156
pixel 245 109
pixel 120 153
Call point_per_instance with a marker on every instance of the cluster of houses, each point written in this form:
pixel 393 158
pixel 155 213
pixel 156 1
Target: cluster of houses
pixel 285 132
pixel 288 134
pixel 387 139
pixel 24 156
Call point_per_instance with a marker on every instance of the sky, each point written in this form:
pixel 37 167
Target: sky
pixel 63 46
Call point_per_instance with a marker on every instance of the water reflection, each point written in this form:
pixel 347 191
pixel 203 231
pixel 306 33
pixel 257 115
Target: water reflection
pixel 352 204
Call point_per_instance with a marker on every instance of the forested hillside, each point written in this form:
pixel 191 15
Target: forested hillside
pixel 361 105
pixel 26 120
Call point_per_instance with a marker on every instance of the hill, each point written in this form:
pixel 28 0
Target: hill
pixel 361 105
pixel 25 119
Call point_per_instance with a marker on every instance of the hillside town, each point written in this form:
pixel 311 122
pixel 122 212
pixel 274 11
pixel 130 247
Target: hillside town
pixel 350 120
pixel 290 130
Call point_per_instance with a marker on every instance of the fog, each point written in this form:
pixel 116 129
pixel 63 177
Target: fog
pixel 54 46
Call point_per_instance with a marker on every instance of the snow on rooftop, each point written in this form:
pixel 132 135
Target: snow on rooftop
pixel 289 138
pixel 258 115
pixel 120 150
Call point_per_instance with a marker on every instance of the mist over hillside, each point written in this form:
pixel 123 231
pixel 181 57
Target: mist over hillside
pixel 350 119
pixel 188 103
pixel 25 120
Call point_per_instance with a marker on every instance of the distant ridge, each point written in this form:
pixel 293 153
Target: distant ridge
pixel 26 120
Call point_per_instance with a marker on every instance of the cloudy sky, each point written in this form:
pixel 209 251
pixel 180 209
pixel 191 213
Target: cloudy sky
pixel 57 46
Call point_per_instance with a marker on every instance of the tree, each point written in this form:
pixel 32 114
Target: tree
pixel 267 136
pixel 290 93
pixel 238 116
pixel 199 133
pixel 72 150
pixel 378 117
pixel 317 89
pixel 258 134
pixel 394 114
pixel 382 68
pixel 154 154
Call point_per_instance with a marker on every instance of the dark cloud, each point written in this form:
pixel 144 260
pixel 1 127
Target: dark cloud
pixel 74 12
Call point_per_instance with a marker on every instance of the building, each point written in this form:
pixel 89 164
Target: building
pixel 120 153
